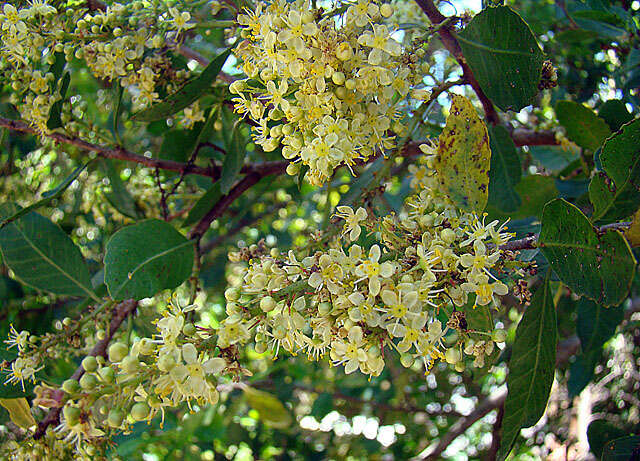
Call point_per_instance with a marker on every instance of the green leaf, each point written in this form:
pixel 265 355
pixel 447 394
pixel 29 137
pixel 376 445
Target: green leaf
pixel 54 120
pixel 146 258
pixel 599 433
pixel 233 160
pixel 177 144
pixel 583 126
pixel 596 324
pixel 203 205
pixel 464 157
pixel 617 195
pixel 621 449
pixel 186 95
pixel 615 113
pixel 42 255
pixel 19 412
pixel 119 196
pixel 508 63
pixel 633 233
pixel 600 266
pixel 271 410
pixel 531 368
pixel 505 172
pixel 47 196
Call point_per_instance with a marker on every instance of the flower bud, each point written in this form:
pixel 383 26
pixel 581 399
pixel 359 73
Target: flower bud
pixel 452 355
pixel 386 10
pixel 130 364
pixel 115 418
pixel 140 411
pixel 88 382
pixel 71 414
pixel 90 363
pixel 117 352
pixel 448 236
pixel 267 304
pixel 232 294
pixel 189 329
pixel 406 360
pixel 261 347
pixel 70 386
pixel 107 374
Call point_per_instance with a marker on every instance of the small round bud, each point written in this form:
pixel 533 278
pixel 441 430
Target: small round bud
pixel 350 84
pixel 90 363
pixel 338 78
pixel 459 366
pixel 260 347
pixel 107 374
pixel 232 294
pixel 406 360
pixel 386 10
pixel 140 411
pixel 130 364
pixel 448 236
pixel 115 418
pixel 344 51
pixel 324 308
pixel 117 352
pixel 88 381
pixel 452 355
pixel 189 329
pixel 499 335
pixel 267 304
pixel 71 414
pixel 70 386
pixel 67 321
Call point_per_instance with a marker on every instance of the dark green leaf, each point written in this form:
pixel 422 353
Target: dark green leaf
pixel 146 258
pixel 186 95
pixel 56 108
pixel 531 368
pixel 600 266
pixel 596 324
pixel 178 144
pixel 505 170
pixel 615 113
pixel 233 160
pixel 621 449
pixel 42 255
pixel 203 205
pixel 581 372
pixel 583 126
pixel 507 64
pixel 599 433
pixel 119 196
pixel 47 196
pixel 617 195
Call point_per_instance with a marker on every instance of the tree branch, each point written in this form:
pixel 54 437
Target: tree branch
pixel 565 350
pixel 451 44
pixel 530 242
pixel 120 312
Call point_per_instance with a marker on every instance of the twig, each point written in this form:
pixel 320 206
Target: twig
pixel 120 313
pixel 451 44
pixel 565 350
pixel 226 200
pixel 163 196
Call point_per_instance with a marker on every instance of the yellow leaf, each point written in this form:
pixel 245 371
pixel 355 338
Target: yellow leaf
pixel 271 410
pixel 19 412
pixel 633 233
pixel 464 157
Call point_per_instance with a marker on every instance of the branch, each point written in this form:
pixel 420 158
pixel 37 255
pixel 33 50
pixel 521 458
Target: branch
pixel 120 312
pixel 524 137
pixel 119 153
pixel 451 44
pixel 531 242
pixel 565 350
pixel 226 200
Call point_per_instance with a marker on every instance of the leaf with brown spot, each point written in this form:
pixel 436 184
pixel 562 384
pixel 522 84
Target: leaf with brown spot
pixel 464 157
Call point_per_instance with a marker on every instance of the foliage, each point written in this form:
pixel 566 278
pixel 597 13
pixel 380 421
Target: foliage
pixel 319 230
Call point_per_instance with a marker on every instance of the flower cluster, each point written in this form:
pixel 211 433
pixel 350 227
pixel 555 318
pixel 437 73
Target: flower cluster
pixel 326 87
pixel 409 291
pixel 125 42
